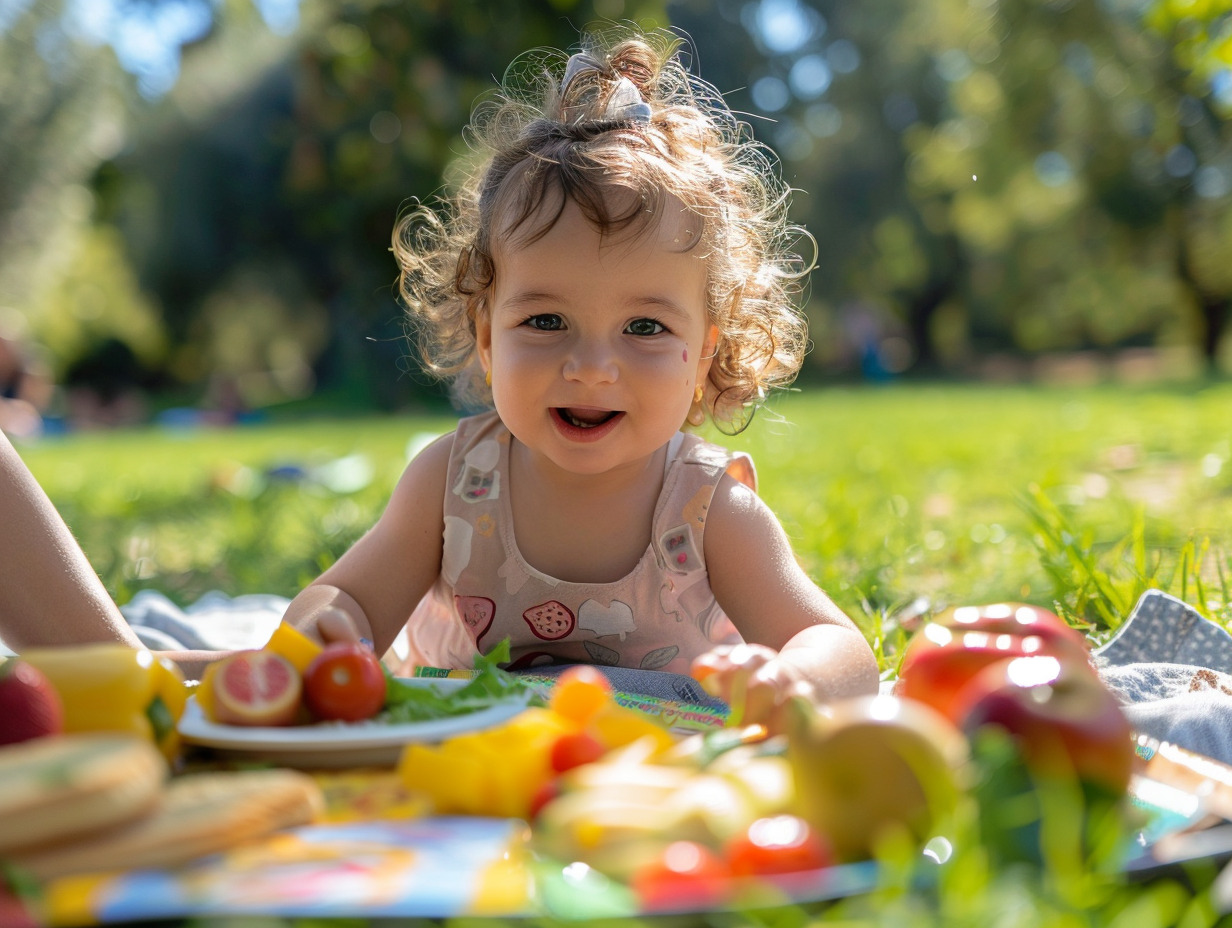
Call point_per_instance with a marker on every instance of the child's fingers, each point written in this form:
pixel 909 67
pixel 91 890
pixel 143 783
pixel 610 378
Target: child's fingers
pixel 749 694
pixel 777 722
pixel 741 675
pixel 334 624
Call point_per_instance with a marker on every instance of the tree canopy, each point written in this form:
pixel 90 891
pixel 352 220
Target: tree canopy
pixel 982 177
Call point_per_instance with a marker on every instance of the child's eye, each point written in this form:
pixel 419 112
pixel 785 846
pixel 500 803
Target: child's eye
pixel 644 327
pixel 546 322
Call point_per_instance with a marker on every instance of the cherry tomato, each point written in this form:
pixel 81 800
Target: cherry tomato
pixel 574 749
pixel 580 692
pixel 344 682
pixel 685 875
pixel 547 791
pixel 779 844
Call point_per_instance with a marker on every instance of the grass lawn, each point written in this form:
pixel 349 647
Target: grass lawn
pixel 898 499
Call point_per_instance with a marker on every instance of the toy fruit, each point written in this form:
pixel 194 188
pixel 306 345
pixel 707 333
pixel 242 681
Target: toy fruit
pixel 870 768
pixel 779 844
pixel 294 645
pixel 684 875
pixel 580 692
pixel 112 687
pixel 1064 720
pixel 947 651
pixel 256 688
pixel 345 682
pixel 29 705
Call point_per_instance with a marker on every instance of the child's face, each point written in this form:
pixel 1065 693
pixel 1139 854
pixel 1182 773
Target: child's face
pixel 595 345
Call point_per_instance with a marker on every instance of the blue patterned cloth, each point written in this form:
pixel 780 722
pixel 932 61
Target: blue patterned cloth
pixel 1172 670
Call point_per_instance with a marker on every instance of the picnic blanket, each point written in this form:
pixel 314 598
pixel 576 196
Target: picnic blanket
pixel 1172 670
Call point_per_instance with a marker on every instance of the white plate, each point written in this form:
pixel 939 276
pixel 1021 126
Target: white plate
pixel 340 744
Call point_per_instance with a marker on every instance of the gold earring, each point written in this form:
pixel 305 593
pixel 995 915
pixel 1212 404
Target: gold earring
pixel 487 376
pixel 697 414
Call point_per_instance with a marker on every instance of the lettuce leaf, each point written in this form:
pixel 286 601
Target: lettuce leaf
pixel 406 702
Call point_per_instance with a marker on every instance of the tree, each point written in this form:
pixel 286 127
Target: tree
pixel 272 175
pixel 63 109
pixel 1195 78
pixel 983 175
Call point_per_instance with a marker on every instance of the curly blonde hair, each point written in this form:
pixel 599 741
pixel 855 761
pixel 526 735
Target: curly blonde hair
pixel 539 139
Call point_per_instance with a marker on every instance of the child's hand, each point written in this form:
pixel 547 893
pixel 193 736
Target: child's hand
pixel 335 624
pixel 328 614
pixel 753 680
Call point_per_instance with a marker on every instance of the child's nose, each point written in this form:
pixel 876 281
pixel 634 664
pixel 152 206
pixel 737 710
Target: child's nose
pixel 591 362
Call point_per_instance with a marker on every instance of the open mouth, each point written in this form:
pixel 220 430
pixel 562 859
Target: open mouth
pixel 581 418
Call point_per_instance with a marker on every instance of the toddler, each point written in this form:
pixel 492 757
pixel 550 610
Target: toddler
pixel 618 267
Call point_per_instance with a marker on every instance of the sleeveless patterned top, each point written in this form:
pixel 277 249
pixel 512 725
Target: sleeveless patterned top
pixel 659 616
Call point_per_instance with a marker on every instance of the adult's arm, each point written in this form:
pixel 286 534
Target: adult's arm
pixel 49 593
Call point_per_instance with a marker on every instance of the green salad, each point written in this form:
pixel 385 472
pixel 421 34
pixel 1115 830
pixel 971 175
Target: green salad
pixel 406 702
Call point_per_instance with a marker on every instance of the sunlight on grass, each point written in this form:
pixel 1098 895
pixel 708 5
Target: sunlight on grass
pixel 899 500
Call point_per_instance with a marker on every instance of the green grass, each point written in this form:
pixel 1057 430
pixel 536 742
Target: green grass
pixel 898 499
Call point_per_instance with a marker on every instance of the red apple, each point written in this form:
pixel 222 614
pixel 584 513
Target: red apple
pixel 1017 618
pixel 950 649
pixel 993 619
pixel 1065 721
pixel 30 707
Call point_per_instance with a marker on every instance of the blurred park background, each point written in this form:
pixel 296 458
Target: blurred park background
pixel 1019 382
pixel 196 196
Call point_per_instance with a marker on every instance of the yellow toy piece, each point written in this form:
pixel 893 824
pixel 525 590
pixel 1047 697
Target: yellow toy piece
pixel 294 645
pixel 112 687
pixel 617 726
pixel 494 772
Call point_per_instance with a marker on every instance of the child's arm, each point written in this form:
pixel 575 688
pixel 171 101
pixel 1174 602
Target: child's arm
pixel 799 641
pixel 371 590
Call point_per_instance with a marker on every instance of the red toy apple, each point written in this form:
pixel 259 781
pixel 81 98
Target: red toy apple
pixel 30 707
pixel 949 650
pixel 1065 721
pixel 1016 618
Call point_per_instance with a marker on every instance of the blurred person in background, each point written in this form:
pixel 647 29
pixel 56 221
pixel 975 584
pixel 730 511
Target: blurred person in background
pixel 26 389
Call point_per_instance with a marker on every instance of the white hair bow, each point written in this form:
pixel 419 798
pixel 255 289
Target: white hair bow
pixel 582 103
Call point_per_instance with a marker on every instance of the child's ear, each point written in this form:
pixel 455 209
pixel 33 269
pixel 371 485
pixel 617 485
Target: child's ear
pixel 483 339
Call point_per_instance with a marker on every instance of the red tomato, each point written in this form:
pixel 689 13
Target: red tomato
pixel 344 682
pixel 685 875
pixel 780 844
pixel 547 791
pixel 1021 618
pixel 574 749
